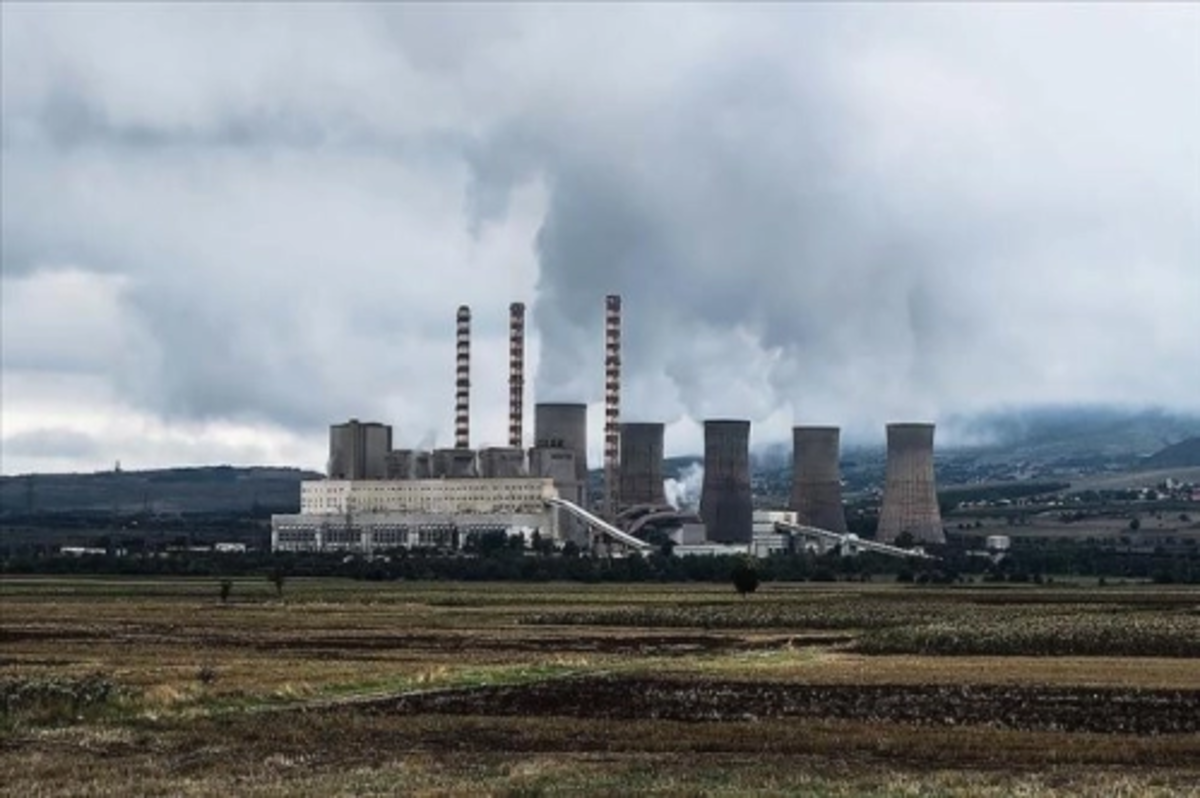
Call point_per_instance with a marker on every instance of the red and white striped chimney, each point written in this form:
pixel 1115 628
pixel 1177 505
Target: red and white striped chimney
pixel 516 373
pixel 462 395
pixel 612 401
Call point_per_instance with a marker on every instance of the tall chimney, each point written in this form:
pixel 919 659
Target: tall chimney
pixel 612 401
pixel 516 373
pixel 462 396
pixel 910 501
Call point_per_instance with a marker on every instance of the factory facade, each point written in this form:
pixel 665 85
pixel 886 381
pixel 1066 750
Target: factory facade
pixel 370 515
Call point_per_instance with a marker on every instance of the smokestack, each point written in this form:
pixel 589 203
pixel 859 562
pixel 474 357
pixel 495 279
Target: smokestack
pixel 909 493
pixel 816 479
pixel 612 402
pixel 516 374
pixel 462 396
pixel 725 501
pixel 641 480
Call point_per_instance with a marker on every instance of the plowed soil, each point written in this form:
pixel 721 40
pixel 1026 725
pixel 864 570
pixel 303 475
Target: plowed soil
pixel 1018 707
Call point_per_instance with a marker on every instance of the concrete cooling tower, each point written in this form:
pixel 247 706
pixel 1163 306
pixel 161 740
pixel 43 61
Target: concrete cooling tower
pixel 816 479
pixel 641 476
pixel 725 501
pixel 909 493
pixel 563 426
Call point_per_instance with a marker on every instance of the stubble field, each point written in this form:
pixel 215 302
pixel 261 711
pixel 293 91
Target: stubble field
pixel 157 687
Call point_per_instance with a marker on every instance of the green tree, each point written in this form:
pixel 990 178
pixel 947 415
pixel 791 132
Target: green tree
pixel 745 578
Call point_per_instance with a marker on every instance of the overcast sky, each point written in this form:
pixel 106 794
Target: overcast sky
pixel 227 226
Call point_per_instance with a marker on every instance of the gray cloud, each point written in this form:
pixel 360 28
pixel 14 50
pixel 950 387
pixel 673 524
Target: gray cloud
pixel 845 215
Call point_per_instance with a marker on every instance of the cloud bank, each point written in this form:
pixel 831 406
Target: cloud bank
pixel 227 226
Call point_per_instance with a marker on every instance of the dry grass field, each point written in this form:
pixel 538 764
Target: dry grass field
pixel 156 687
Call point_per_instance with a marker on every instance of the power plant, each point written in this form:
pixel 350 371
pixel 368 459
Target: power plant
pixel 726 504
pixel 816 478
pixel 377 497
pixel 910 501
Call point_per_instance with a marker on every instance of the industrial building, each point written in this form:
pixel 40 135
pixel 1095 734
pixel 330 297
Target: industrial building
pixel 370 515
pixel 359 450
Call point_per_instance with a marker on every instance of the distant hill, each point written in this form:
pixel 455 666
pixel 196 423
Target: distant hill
pixel 1184 454
pixel 209 489
pixel 1046 433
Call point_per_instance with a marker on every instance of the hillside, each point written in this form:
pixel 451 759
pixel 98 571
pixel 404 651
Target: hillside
pixel 211 489
pixel 1185 454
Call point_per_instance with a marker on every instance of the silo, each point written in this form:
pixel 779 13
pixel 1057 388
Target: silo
pixel 454 463
pixel 563 426
pixel 502 463
pixel 816 478
pixel 400 464
pixel 725 500
pixel 910 501
pixel 641 475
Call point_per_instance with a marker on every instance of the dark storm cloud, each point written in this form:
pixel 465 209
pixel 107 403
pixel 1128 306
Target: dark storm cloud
pixel 764 200
pixel 845 215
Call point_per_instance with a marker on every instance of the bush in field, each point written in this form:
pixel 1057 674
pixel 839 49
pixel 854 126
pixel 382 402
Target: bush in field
pixel 745 578
pixel 277 578
pixel 47 701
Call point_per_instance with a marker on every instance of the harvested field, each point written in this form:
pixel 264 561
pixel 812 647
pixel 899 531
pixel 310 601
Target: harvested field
pixel 1017 707
pixel 156 687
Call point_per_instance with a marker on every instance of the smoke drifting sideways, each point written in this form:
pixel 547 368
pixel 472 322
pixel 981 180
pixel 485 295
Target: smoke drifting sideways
pixel 684 493
pixel 791 221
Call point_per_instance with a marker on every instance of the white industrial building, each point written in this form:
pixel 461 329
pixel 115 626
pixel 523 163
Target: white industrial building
pixel 367 515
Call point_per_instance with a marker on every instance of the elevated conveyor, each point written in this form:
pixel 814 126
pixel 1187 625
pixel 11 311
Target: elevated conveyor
pixel 850 540
pixel 599 524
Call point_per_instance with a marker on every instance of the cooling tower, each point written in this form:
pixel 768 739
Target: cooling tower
pixel 909 493
pixel 641 475
pixel 400 464
pixel 454 464
pixel 725 500
pixel 502 463
pixel 816 479
pixel 563 426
